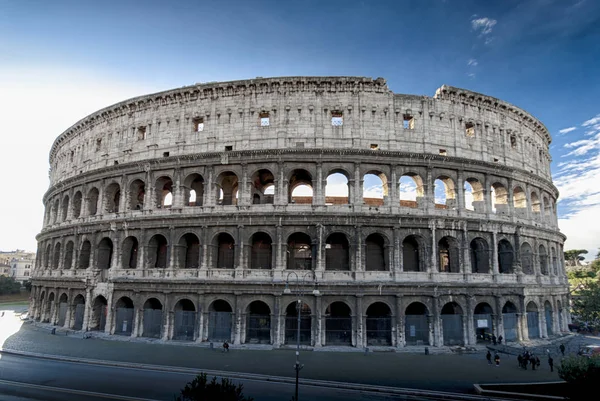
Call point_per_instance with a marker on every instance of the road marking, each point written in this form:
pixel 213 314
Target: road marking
pixel 73 391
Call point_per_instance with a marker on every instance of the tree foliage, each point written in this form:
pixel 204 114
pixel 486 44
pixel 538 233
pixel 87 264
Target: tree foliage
pixel 582 375
pixel 200 389
pixel 574 257
pixel 8 285
pixel 586 305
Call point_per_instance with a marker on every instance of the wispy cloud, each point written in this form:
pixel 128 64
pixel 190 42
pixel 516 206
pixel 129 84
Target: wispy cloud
pixel 567 130
pixel 483 26
pixel 472 62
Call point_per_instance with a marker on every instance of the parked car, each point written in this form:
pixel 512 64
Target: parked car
pixel 589 350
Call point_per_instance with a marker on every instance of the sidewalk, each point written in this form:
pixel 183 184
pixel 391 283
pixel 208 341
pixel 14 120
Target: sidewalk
pixel 441 372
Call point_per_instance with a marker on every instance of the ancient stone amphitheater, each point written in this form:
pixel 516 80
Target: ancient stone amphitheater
pixel 205 213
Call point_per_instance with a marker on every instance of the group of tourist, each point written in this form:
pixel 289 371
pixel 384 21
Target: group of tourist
pixel 527 358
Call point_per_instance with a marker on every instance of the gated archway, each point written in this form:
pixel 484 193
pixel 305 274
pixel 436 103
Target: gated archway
pixel 153 318
pixel 549 318
pixel 79 303
pixel 452 324
pixel 482 321
pixel 416 327
pixel 99 310
pixel 220 318
pixel 185 320
pixel 338 324
pixel 124 316
pixel 291 323
pixel 63 308
pixel 258 327
pixel 48 308
pixel 510 321
pixel 533 320
pixel 379 324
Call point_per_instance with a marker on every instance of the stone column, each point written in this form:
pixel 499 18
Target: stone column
pixel 361 335
pixel 319 193
pixel 318 326
pixel 359 250
pixel 394 188
pixel 435 330
pixel 433 266
pixel 280 197
pixel 494 246
pixel 320 249
pixel 358 185
pixel 469 327
pixel 166 318
pixel 238 316
pixel 244 193
pixel 429 192
pixel 460 192
pixel 278 328
pixel 400 322
pixel 397 252
pixel 110 309
pixel 465 266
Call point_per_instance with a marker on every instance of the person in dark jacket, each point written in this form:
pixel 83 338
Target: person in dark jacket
pixel 551 363
pixel 497 359
pixel 488 356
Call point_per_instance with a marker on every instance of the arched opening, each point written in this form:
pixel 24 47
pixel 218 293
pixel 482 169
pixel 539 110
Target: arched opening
pixel 189 251
pixel 56 258
pixel 292 323
pixel 48 256
pixel 499 198
pixel 220 318
pixel 543 260
pixel 416 328
pixel 338 324
pixel 261 181
pixel 261 254
pixel 452 324
pixel 411 190
pixel 105 250
pixel 300 187
pixel 549 318
pixel 55 208
pixel 336 190
pixel 41 308
pixel 124 316
pixel 227 184
pixel 519 198
pixel 63 308
pixel 527 258
pixel 536 205
pixel 547 209
pixel 129 253
pixel 225 251
pixel 533 320
pixel 505 257
pixel 185 320
pixel 510 321
pixel 468 195
pixel 99 311
pixel 84 255
pixel 79 311
pixel 554 261
pixel 77 199
pixel 153 318
pixel 411 260
pixel 299 252
pixel 482 321
pixel 137 191
pixel 164 192
pixel 376 258
pixel 65 208
pixel 444 193
pixel 158 251
pixel 258 329
pixel 448 255
pixel 92 201
pixel 480 256
pixel 379 324
pixel 375 188
pixel 48 308
pixel 112 198
pixel 68 261
pixel 474 199
pixel 193 190
pixel 337 256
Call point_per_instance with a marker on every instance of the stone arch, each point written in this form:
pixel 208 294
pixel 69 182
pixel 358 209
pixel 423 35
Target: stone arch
pixel 412 254
pixel 261 252
pixel 258 325
pixel 104 253
pixel 298 322
pixel 337 189
pixel 474 195
pixel 56 256
pixel 164 191
pixel 77 201
pixel 375 188
pixel 376 258
pixel 480 256
pixel 188 251
pixel 193 190
pixel 416 327
pixel 527 258
pixel 338 324
pixel 158 251
pixel 55 210
pixel 543 257
pixel 92 201
pixel 505 257
pixel 547 208
pixel 79 311
pixel 152 318
pixel 554 261
pixel 137 192
pixel 510 320
pixel 452 324
pixel 549 315
pixel 300 252
pixel 262 187
pixel 499 195
pixel 519 198
pixel 63 307
pixel 379 324
pixel 227 188
pixel 482 321
pixel 225 248
pixel 410 189
pixel 184 327
pixel 68 260
pixel 99 313
pixel 300 187
pixel 65 208
pixel 337 252
pixel 535 203
pixel 533 322
pixel 112 198
pixel 448 255
pixel 48 256
pixel 444 192
pixel 129 252
pixel 220 320
pixel 84 255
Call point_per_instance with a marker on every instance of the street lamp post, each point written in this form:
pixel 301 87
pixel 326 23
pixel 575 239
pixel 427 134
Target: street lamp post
pixel 299 293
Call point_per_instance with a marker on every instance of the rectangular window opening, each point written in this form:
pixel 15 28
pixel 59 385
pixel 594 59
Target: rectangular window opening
pixel 374 146
pixel 141 133
pixel 299 144
pixel 165 154
pixel 496 160
pixel 98 144
pixel 198 124
pixel 513 142
pixel 228 148
pixel 337 118
pixel 443 152
pixel 409 121
pixel 264 119
pixel 470 129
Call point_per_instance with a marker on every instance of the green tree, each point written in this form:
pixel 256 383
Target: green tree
pixel 200 389
pixel 586 304
pixel 581 374
pixel 8 285
pixel 27 285
pixel 574 257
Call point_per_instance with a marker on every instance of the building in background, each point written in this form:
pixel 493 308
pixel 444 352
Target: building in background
pixel 18 264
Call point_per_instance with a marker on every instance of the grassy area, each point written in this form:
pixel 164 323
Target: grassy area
pixel 23 297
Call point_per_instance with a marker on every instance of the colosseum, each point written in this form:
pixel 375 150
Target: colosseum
pixel 325 210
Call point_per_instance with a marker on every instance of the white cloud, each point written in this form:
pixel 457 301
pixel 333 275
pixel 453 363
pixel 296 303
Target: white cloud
pixel 567 130
pixel 483 25
pixel 591 121
pixel 472 62
pixel 471 75
pixel 583 146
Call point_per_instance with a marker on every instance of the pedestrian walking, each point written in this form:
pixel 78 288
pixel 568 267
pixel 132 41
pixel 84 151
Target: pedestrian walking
pixel 497 359
pixel 551 363
pixel 494 339
pixel 500 338
pixel 225 347
pixel 562 349
pixel 488 356
pixel 520 360
pixel 532 361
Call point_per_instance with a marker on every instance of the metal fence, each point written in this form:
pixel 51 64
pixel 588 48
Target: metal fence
pixel 453 329
pixel 124 321
pixel 185 322
pixel 338 331
pixel 416 330
pixel 483 326
pixel 379 331
pixel 152 323
pixel 510 326
pixel 63 307
pixel 219 324
pixel 533 326
pixel 79 312
pixel 291 329
pixel 258 330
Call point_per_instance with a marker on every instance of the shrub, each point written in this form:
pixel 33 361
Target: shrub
pixel 200 389
pixel 8 285
pixel 582 375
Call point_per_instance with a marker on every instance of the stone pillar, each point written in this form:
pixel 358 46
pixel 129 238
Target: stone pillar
pixel 110 311
pixel 166 318
pixel 469 326
pixel 358 185
pixel 436 336
pixel 244 193
pixel 238 316
pixel 87 311
pixel 138 322
pixel 318 327
pixel 429 192
pixel 494 247
pixel 150 190
pixel 178 190
pixel 280 254
pixel 280 197
pixel 359 250
pixel 171 250
pixel 400 322
pixel 522 320
pixel 240 257
pixel 319 193
pixel 465 266
pixel 460 192
pixel 279 327
pixel 394 188
pixel 433 266
pixel 320 249
pixel 397 252
pixel 360 322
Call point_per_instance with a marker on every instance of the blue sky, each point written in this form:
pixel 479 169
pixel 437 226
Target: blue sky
pixel 61 60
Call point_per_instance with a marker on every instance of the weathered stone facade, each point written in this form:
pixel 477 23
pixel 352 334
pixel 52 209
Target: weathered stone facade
pixel 173 215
